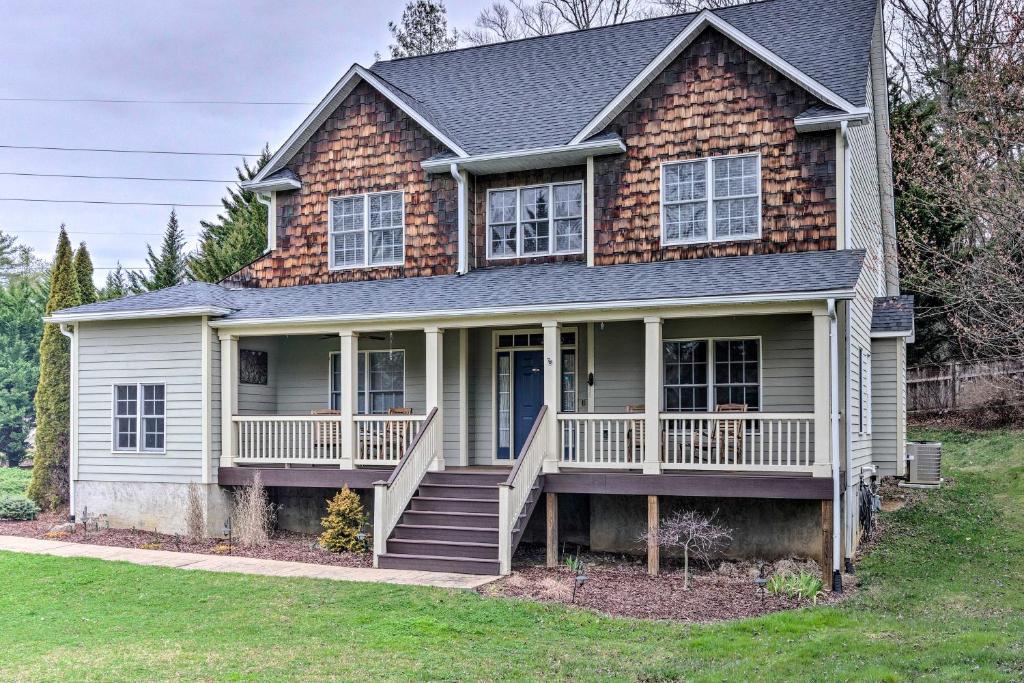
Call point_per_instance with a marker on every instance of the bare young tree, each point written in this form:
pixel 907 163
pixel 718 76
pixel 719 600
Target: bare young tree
pixel 694 534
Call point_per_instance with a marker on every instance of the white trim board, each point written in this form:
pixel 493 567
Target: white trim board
pixel 679 43
pixel 326 107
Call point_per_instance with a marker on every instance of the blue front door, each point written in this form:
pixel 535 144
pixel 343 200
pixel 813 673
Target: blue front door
pixel 528 393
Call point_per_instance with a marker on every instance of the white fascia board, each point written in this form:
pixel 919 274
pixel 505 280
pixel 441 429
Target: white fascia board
pixel 272 185
pixel 704 19
pixel 807 124
pixel 528 157
pixel 328 104
pixel 786 297
pixel 892 334
pixel 183 312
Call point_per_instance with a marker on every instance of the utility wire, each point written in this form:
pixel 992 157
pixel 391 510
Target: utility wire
pixel 130 101
pixel 131 151
pixel 91 232
pixel 97 201
pixel 116 177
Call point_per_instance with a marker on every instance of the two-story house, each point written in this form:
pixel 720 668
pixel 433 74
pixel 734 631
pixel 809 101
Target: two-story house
pixel 571 278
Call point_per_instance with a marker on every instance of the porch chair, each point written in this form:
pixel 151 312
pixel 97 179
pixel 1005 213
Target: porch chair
pixel 633 446
pixel 328 433
pixel 727 434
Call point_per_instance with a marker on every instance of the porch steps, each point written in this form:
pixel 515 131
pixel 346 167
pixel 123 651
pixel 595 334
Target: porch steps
pixel 450 525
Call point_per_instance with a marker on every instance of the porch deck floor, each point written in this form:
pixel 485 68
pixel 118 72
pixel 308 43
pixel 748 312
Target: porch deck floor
pixel 241 565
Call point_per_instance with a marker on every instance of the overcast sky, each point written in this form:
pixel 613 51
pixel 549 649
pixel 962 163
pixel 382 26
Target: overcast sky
pixel 182 50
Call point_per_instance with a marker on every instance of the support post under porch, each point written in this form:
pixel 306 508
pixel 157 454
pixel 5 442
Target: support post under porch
pixel 552 529
pixel 228 398
pixel 653 528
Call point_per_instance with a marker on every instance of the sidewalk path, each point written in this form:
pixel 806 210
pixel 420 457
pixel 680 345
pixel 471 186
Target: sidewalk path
pixel 242 565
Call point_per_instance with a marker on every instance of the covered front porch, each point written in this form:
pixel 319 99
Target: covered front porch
pixel 732 389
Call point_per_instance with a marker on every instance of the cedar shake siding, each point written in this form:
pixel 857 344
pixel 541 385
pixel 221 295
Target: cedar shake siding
pixel 367 145
pixel 478 219
pixel 716 99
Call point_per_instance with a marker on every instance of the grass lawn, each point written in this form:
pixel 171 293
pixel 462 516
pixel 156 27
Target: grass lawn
pixel 943 599
pixel 14 481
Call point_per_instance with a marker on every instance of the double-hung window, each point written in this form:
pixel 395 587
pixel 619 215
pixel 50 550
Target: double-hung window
pixel 381 381
pixel 535 221
pixel 734 376
pixel 711 200
pixel 139 418
pixel 367 230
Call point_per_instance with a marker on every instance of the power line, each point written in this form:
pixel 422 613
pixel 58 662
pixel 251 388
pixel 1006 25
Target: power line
pixel 98 201
pixel 91 232
pixel 116 177
pixel 99 100
pixel 130 151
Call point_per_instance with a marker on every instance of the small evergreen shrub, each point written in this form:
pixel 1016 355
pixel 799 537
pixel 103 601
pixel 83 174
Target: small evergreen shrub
pixel 18 508
pixel 804 586
pixel 343 524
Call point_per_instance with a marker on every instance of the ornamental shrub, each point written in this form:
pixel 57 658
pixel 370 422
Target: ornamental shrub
pixel 18 508
pixel 344 522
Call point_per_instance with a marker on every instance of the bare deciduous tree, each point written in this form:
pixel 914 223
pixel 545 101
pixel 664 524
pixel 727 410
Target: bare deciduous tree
pixel 516 19
pixel 681 6
pixel 694 534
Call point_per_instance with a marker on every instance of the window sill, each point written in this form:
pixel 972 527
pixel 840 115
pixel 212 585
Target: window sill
pixel 117 452
pixel 706 242
pixel 390 264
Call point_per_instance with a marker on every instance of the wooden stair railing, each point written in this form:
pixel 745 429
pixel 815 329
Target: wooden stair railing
pixel 515 492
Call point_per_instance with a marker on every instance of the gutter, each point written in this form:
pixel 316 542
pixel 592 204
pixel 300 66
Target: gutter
pixel 267 200
pixel 529 158
pixel 807 124
pixel 188 311
pixel 463 219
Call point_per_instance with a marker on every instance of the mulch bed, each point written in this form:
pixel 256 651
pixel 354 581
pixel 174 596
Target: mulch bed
pixel 620 586
pixel 283 545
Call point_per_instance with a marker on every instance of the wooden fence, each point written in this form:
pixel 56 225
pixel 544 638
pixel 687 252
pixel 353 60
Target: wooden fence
pixel 965 385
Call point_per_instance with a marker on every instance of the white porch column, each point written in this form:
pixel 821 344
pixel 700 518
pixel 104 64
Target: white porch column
pixel 822 396
pixel 228 398
pixel 552 379
pixel 464 396
pixel 349 378
pixel 652 395
pixel 435 385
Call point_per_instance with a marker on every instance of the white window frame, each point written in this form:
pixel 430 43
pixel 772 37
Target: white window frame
pixel 865 413
pixel 366 230
pixel 710 408
pixel 365 353
pixel 519 189
pixel 139 417
pixel 711 236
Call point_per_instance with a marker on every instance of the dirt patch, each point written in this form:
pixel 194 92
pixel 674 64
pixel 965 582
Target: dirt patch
pixel 620 586
pixel 283 545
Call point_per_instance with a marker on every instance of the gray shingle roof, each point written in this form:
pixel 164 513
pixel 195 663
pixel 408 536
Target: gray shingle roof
pixel 540 92
pixel 893 314
pixel 536 285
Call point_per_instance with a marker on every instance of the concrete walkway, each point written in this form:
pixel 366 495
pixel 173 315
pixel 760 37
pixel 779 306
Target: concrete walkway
pixel 241 565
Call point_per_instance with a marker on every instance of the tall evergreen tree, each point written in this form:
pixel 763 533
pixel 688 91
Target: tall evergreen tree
pixel 84 271
pixel 169 268
pixel 423 30
pixel 238 236
pixel 116 285
pixel 50 476
pixel 22 303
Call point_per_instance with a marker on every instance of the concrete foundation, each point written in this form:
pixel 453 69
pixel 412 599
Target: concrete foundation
pixel 301 509
pixel 152 506
pixel 761 528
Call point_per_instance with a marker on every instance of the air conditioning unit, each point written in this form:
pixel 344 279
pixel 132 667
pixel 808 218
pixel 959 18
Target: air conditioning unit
pixel 924 463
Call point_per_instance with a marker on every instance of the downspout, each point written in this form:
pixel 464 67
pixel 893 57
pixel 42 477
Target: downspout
pixel 463 218
pixel 847 222
pixel 833 336
pixel 65 329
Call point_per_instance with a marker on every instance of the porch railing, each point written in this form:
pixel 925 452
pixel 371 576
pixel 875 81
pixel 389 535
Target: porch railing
pixel 316 439
pixel 737 441
pixel 391 497
pixel 601 440
pixel 514 492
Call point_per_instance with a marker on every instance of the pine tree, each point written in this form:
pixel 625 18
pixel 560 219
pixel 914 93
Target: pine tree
pixel 50 476
pixel 22 303
pixel 423 30
pixel 116 285
pixel 238 236
pixel 83 269
pixel 344 522
pixel 169 268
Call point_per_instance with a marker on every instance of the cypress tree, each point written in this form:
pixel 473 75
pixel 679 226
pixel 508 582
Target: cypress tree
pixel 50 476
pixel 238 236
pixel 83 270
pixel 169 268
